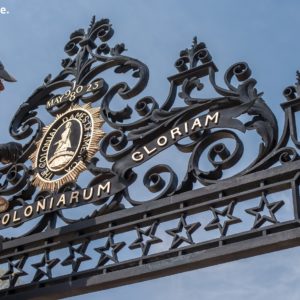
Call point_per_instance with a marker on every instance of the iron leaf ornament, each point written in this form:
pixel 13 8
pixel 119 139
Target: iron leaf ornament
pixel 11 151
pixel 135 133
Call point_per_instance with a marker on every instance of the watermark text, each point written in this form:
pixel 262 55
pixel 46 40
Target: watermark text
pixel 3 10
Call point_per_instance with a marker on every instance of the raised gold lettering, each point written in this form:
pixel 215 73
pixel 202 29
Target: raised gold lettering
pixel 88 196
pixel 51 203
pixel 149 151
pixel 175 131
pixel 74 197
pixel 137 156
pixel 214 118
pixel 105 188
pixel 28 211
pixel 41 205
pixel 5 219
pixel 15 217
pixel 62 200
pixel 196 123
pixel 162 141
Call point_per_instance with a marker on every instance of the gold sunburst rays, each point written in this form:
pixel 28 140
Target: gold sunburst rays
pixel 44 177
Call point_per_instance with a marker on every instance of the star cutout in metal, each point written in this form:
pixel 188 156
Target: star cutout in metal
pixel 77 256
pixel 44 268
pixel 15 270
pixel 142 242
pixel 261 219
pixel 226 212
pixel 189 230
pixel 110 245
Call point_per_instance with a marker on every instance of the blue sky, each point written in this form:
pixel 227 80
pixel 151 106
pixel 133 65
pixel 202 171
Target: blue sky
pixel 263 32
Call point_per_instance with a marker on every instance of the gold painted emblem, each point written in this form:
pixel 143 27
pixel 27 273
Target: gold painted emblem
pixel 72 136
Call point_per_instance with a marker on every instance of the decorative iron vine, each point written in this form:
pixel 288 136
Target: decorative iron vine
pixel 204 122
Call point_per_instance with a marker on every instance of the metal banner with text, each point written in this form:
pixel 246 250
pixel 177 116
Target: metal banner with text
pixel 78 183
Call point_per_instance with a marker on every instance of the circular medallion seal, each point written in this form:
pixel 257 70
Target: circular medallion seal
pixel 71 138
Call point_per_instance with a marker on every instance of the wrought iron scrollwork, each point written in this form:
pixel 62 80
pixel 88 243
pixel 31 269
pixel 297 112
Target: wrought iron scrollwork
pixel 144 121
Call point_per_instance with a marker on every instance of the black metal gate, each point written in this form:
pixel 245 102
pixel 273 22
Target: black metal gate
pixel 126 240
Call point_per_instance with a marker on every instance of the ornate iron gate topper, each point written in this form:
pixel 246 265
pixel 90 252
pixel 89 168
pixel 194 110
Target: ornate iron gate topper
pixel 45 183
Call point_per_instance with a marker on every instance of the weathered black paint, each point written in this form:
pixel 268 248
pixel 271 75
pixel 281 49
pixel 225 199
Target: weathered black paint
pixel 90 55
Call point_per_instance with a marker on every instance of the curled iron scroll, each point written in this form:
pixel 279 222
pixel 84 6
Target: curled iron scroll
pixel 140 119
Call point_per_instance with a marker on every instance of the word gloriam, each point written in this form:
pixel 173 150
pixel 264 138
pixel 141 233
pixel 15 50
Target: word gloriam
pixel 175 134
